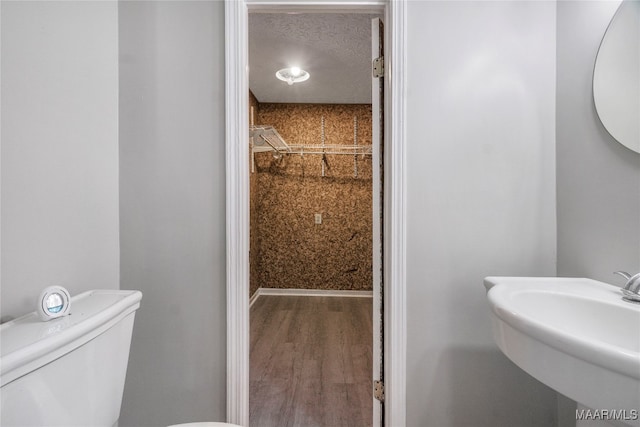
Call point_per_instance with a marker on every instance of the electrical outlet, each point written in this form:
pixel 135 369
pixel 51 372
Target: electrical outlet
pixel 318 218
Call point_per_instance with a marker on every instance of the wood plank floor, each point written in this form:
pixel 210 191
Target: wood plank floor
pixel 311 361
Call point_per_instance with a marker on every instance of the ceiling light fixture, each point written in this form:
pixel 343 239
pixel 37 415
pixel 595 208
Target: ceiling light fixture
pixel 292 75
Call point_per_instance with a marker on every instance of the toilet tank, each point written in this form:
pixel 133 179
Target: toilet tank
pixel 68 371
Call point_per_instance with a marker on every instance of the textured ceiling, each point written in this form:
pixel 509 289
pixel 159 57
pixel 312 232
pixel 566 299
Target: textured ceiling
pixel 334 48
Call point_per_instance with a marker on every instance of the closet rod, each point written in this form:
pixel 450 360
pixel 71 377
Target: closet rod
pixel 331 149
pixel 328 152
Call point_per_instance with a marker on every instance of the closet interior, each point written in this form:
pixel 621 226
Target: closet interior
pixel 311 196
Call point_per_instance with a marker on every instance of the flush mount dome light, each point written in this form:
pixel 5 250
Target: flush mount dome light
pixel 292 75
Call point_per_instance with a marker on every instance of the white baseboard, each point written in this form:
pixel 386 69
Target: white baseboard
pixel 309 293
pixel 254 297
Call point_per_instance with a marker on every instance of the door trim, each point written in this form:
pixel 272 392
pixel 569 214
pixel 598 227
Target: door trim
pixel 237 197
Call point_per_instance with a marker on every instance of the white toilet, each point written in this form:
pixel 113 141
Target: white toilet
pixel 68 371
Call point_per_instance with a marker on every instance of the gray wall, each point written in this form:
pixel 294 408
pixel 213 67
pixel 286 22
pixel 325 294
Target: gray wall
pixel 598 179
pixel 481 201
pixel 59 149
pixel 172 211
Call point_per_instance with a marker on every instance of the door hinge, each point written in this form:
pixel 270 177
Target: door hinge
pixel 378 390
pixel 378 67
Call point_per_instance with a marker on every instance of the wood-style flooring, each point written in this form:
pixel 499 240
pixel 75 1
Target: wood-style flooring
pixel 311 361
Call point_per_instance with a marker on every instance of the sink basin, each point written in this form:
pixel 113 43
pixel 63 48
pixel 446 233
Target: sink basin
pixel 575 335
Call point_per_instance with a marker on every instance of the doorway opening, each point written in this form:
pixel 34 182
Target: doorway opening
pixel 315 219
pixel 237 218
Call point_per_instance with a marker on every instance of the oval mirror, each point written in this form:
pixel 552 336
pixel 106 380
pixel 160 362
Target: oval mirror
pixel 616 76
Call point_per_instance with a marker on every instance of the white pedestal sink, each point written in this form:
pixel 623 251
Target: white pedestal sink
pixel 575 335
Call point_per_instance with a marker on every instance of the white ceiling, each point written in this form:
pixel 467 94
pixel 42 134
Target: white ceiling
pixel 334 48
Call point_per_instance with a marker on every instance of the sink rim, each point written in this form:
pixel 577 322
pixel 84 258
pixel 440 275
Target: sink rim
pixel 606 355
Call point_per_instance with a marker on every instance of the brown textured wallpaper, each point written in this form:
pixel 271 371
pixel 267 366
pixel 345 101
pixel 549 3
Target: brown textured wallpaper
pixel 288 250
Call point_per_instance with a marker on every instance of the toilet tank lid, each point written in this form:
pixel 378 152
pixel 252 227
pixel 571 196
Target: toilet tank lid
pixel 27 338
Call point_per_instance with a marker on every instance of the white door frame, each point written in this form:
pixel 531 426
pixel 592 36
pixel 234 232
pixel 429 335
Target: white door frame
pixel 237 197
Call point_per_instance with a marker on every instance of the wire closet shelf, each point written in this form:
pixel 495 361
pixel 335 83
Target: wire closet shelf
pixel 266 138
